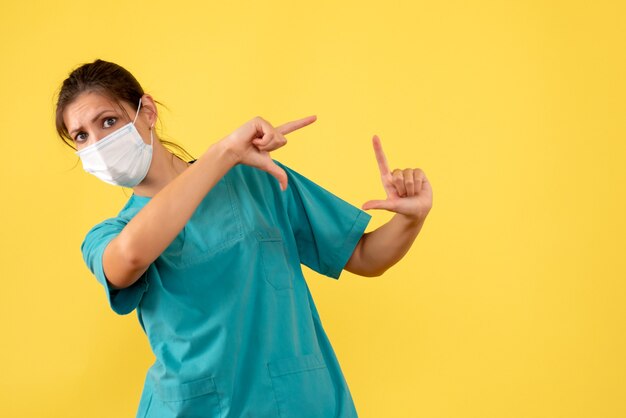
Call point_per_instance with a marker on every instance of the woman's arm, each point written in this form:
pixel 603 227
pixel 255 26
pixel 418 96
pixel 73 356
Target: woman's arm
pixel 410 196
pixel 382 248
pixel 155 226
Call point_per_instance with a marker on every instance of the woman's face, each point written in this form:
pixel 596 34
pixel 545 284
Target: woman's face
pixel 92 116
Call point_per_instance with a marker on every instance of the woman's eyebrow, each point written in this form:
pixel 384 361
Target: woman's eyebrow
pixel 95 118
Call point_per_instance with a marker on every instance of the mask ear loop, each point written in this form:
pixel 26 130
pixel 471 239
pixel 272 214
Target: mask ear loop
pixel 138 108
pixel 151 126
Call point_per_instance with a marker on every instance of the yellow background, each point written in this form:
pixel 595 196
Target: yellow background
pixel 512 301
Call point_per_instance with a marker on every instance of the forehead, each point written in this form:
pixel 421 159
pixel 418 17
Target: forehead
pixel 80 111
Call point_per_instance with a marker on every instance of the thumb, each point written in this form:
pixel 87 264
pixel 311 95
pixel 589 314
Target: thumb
pixel 377 204
pixel 277 172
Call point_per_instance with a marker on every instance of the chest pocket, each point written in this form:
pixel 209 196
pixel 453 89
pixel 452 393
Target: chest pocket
pixel 276 268
pixel 215 225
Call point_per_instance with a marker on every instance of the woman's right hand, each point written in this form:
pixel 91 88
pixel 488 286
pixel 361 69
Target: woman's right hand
pixel 252 142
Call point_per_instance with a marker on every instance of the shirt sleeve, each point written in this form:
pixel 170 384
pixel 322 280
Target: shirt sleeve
pixel 122 301
pixel 326 227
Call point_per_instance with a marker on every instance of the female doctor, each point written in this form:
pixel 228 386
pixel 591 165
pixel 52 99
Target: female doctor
pixel 209 253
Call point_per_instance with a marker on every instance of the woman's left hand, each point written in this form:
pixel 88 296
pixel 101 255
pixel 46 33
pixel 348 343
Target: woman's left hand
pixel 408 191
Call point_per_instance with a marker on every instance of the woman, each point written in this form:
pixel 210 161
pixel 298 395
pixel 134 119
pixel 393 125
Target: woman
pixel 208 252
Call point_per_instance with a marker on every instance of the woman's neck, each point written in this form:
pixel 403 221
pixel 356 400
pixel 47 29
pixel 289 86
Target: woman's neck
pixel 164 168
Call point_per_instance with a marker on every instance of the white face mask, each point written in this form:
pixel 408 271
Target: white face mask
pixel 120 158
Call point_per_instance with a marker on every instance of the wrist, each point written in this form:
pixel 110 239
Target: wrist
pixel 227 151
pixel 411 220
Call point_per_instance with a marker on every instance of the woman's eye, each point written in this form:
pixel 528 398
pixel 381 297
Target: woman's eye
pixel 108 122
pixel 81 137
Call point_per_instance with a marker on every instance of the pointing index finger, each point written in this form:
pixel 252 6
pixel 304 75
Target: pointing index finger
pixel 296 124
pixel 380 157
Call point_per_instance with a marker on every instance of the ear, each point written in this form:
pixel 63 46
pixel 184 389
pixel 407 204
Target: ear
pixel 148 103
